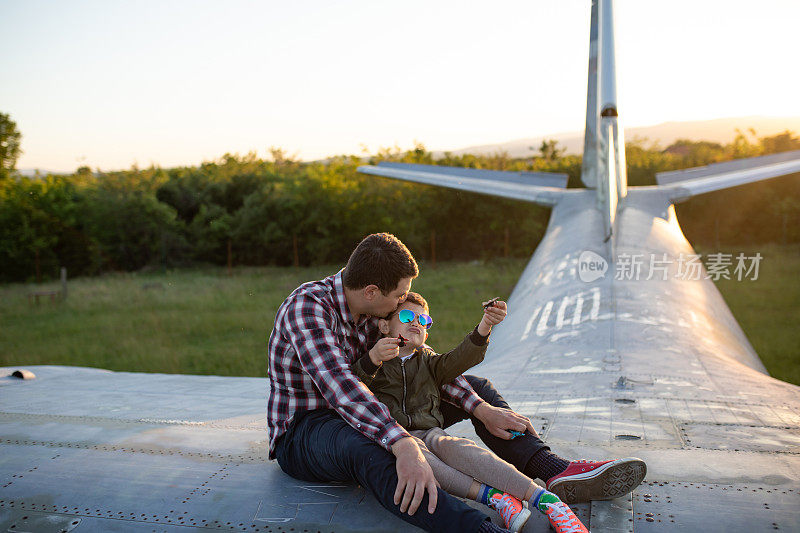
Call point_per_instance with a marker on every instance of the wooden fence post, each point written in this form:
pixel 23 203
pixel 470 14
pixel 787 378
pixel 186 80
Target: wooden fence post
pixel 230 258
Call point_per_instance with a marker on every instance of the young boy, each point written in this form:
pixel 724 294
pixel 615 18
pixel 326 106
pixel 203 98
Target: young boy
pixel 407 376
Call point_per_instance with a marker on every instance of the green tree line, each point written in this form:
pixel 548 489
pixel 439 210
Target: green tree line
pixel 278 210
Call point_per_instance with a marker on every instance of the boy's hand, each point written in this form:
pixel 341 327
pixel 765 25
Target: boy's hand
pixel 492 315
pixel 385 349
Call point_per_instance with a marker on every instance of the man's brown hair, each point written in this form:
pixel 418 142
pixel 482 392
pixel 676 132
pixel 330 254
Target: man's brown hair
pixel 381 260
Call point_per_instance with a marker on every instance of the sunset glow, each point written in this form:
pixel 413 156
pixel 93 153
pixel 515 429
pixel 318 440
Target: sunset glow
pixel 110 84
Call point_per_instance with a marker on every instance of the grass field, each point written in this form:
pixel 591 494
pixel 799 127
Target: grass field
pixel 205 322
pixel 768 309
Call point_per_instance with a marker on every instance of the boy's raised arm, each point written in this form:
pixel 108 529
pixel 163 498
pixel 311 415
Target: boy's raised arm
pixel 448 366
pixel 470 352
pixel 456 389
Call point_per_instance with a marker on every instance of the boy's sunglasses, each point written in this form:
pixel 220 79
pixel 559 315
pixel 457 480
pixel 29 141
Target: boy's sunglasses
pixel 407 315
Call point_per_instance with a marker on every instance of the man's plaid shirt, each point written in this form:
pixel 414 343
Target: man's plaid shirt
pixel 312 345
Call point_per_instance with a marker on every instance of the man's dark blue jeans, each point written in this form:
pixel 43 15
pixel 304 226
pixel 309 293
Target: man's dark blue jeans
pixel 517 451
pixel 320 446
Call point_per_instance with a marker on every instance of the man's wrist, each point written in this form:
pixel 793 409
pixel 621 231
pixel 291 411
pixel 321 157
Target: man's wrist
pixel 390 434
pixel 480 410
pixel 484 329
pixel 403 445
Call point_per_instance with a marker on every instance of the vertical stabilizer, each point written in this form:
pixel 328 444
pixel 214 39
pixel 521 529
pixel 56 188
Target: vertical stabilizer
pixel 604 145
pixel 590 148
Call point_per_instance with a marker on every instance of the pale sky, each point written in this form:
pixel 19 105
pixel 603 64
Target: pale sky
pixel 109 83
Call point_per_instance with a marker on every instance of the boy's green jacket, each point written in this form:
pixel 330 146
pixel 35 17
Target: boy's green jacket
pixel 411 389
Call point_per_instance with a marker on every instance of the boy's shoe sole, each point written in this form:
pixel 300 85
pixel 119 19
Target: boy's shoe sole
pixel 606 482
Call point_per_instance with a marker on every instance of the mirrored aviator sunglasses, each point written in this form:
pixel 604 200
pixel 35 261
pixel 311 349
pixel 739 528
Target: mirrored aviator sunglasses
pixel 407 315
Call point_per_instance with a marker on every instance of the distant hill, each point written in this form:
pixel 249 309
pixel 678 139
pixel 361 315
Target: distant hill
pixel 721 130
pixel 31 172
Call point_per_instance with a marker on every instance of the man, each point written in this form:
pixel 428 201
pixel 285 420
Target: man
pixel 325 425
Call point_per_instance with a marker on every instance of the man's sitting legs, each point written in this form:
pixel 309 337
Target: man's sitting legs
pixel 572 481
pixel 320 446
pixel 518 451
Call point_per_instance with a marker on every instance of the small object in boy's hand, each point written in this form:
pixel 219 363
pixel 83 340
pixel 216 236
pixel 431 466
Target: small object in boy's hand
pixel 402 341
pixel 515 433
pixel 491 302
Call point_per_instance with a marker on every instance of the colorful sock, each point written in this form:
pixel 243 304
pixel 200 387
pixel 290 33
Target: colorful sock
pixel 541 498
pixel 485 494
pixel 545 464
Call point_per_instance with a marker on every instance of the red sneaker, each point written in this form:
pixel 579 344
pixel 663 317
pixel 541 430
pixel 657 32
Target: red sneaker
pixel 584 481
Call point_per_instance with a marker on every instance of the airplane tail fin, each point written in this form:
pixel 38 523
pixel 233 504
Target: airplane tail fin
pixel 604 167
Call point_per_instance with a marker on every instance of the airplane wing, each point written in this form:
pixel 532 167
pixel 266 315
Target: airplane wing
pixel 100 451
pixel 684 184
pixel 542 188
pixel 92 450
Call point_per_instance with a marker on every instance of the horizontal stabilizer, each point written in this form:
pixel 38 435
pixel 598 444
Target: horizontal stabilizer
pixel 544 179
pixel 537 187
pixel 693 181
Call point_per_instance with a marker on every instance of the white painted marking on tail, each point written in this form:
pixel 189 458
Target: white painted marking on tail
pixel 595 303
pixel 576 318
pixel 542 327
pixel 565 301
pixel 529 325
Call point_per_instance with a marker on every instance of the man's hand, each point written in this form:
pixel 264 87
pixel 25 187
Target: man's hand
pixel 492 315
pixel 498 420
pixel 414 477
pixel 385 349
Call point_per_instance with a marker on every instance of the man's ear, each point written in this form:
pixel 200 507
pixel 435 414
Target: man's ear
pixel 371 291
pixel 383 325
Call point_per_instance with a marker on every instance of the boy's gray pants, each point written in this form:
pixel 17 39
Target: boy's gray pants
pixel 456 462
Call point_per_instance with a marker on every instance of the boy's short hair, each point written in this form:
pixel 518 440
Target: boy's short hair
pixel 414 298
pixel 381 260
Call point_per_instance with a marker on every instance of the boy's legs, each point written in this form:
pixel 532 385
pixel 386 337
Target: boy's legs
pixel 452 480
pixel 483 465
pixel 450 468
pixel 320 446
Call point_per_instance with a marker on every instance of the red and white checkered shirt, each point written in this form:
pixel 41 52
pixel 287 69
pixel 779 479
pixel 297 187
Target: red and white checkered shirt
pixel 311 347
